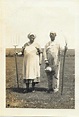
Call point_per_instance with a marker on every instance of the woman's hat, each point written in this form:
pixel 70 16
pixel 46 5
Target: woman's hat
pixel 31 35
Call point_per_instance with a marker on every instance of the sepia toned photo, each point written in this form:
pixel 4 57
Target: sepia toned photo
pixel 38 47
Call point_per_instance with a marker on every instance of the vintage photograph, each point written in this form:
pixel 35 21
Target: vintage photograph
pixel 39 46
pixel 40 56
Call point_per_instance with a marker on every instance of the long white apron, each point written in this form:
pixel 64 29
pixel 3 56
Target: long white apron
pixel 31 68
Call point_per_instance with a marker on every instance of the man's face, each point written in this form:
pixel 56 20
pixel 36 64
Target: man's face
pixel 52 36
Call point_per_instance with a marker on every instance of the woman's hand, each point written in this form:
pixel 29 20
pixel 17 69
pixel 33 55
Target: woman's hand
pixel 40 61
pixel 16 53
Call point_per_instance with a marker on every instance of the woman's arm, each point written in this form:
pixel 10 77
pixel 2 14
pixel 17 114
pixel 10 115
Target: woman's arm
pixel 22 50
pixel 39 52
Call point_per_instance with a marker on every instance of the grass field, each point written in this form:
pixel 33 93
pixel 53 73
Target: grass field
pixel 15 98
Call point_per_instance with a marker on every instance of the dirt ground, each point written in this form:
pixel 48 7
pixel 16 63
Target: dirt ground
pixel 15 98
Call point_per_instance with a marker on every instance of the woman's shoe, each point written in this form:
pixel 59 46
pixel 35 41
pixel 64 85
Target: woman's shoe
pixel 26 91
pixel 33 86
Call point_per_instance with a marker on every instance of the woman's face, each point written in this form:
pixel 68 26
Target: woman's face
pixel 32 38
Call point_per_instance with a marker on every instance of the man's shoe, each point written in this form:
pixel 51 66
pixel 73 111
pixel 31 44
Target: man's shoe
pixel 49 90
pixel 33 91
pixel 55 90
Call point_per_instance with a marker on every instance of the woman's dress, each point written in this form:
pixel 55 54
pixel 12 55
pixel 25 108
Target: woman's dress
pixel 31 67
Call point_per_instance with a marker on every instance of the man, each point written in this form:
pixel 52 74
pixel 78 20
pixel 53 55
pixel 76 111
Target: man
pixel 52 61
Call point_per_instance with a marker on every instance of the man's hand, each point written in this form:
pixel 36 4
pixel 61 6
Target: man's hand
pixel 46 62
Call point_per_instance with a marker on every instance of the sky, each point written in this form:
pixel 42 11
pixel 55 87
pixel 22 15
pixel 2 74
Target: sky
pixel 40 18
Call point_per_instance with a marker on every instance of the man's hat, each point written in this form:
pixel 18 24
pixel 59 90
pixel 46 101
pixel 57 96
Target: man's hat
pixel 52 33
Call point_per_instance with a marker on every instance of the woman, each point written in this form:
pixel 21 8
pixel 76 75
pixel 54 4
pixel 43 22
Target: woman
pixel 31 62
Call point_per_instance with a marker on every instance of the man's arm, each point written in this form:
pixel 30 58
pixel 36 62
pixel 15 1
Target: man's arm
pixel 45 53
